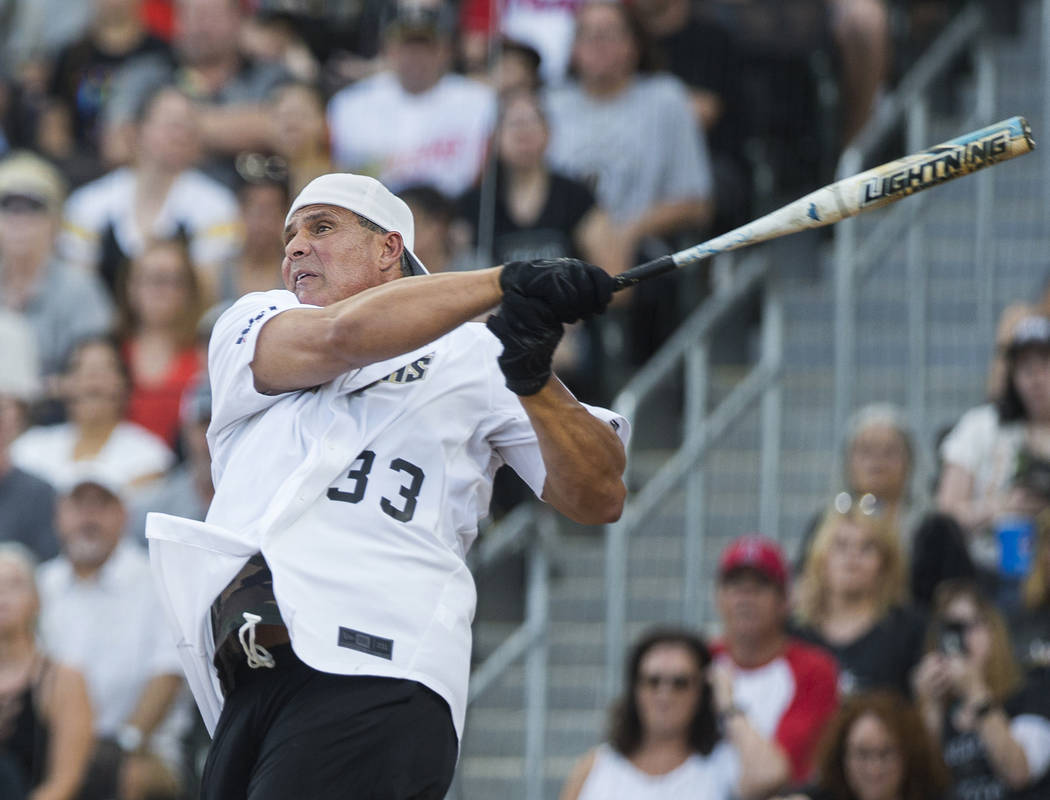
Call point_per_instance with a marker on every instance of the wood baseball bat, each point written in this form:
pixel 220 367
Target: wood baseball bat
pixel 848 197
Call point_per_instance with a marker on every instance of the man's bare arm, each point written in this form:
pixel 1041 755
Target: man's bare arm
pixel 584 457
pixel 306 347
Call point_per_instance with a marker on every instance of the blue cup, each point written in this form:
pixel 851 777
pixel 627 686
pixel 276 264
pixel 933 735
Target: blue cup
pixel 1015 535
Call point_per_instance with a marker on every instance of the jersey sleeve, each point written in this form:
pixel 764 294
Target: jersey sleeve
pixel 231 352
pixel 814 702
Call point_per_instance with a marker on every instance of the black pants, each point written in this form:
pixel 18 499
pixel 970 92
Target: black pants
pixel 294 732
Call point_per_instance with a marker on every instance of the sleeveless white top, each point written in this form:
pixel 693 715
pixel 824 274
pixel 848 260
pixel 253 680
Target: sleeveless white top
pixel 712 777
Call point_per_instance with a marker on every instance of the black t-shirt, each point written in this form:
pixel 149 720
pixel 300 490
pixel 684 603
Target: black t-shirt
pixel 81 80
pixel 550 236
pixel 967 760
pixel 882 658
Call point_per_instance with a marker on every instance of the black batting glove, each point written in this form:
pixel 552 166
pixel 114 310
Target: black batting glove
pixel 529 331
pixel 572 288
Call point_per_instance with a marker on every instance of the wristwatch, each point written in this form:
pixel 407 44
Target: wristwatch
pixel 129 738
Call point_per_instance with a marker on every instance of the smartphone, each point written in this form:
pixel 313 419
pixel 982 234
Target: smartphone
pixel 952 640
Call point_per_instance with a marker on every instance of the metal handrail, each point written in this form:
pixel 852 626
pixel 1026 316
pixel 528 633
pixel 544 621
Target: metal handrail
pixel 688 347
pixel 532 528
pixel 855 257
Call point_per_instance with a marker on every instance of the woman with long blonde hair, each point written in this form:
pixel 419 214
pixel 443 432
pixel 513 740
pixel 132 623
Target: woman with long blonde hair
pixel 851 598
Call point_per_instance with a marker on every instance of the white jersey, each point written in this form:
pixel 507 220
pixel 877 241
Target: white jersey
pixel 437 137
pixel 198 206
pixel 363 495
pixel 711 777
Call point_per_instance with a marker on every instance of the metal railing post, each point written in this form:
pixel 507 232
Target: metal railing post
pixel 984 255
pixel 615 603
pixel 844 321
pixel 772 355
pixel 537 604
pixel 696 375
pixel 917 280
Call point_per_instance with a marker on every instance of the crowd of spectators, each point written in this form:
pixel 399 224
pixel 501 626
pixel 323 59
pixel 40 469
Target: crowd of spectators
pixel 148 153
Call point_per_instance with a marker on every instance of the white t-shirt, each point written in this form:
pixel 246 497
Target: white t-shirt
pixel 112 630
pixel 130 453
pixel 437 137
pixel 363 495
pixel 712 777
pixel 988 451
pixel 203 208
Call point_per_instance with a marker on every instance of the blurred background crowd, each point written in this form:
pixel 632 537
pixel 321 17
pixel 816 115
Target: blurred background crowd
pixel 148 152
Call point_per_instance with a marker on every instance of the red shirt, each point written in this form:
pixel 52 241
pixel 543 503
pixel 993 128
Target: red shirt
pixel 155 405
pixel 790 698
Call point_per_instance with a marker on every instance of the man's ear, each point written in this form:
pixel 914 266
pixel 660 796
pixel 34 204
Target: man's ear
pixel 393 247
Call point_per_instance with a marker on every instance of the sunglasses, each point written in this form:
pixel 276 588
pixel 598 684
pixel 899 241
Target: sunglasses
pixel 867 504
pixel 677 683
pixel 22 204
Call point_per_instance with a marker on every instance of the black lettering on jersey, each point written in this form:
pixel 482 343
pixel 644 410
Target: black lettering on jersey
pixel 359 472
pixel 410 373
pixel 366 643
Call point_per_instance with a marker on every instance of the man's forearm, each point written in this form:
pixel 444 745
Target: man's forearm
pixel 154 703
pixel 584 457
pixel 308 347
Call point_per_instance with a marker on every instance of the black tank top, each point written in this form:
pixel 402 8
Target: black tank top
pixel 24 731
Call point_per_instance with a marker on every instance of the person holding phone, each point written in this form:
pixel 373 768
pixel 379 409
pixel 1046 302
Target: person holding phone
pixel 993 730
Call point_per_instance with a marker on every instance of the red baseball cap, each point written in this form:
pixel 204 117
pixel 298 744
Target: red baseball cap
pixel 757 552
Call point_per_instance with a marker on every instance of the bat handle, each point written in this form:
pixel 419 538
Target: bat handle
pixel 649 269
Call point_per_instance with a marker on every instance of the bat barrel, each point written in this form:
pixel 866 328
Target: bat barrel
pixel 863 192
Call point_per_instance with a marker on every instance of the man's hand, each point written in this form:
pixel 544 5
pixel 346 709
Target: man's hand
pixel 529 331
pixel 572 289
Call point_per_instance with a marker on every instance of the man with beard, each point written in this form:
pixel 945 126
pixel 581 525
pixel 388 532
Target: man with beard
pixel 99 613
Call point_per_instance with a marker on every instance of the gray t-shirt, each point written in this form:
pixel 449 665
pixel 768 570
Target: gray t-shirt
pixel 253 83
pixel 27 513
pixel 635 150
pixel 67 305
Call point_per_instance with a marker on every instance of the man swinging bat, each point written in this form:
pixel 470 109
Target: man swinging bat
pixel 323 610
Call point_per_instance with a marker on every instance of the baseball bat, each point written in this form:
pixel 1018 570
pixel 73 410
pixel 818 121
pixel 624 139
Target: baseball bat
pixel 864 191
